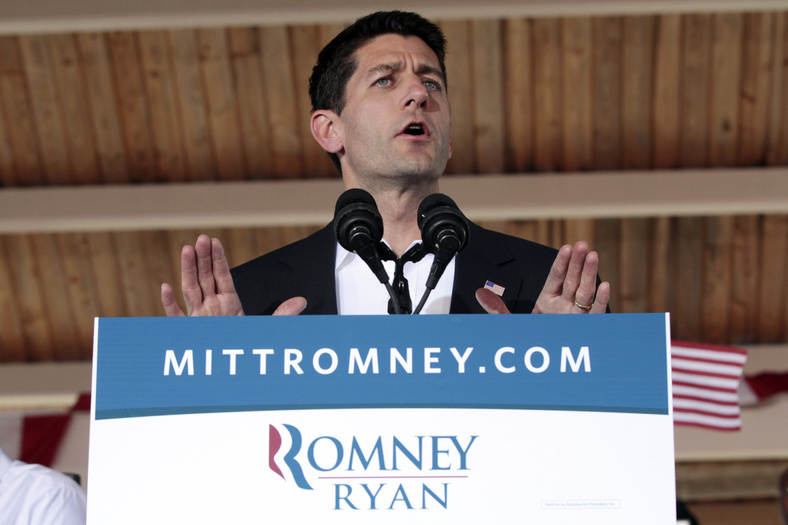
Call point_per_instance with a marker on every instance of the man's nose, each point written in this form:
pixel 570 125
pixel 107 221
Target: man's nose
pixel 416 93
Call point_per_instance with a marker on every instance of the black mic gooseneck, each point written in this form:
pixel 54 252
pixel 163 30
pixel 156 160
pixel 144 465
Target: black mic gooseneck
pixel 400 284
pixel 359 228
pixel 444 232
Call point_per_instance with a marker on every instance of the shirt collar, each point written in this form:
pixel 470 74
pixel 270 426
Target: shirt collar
pixel 344 257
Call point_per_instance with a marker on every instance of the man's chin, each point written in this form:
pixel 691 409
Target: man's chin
pixel 405 179
pixel 403 170
pixel 421 168
pixel 419 174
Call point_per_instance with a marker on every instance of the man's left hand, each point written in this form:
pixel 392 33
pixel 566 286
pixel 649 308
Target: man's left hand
pixel 570 287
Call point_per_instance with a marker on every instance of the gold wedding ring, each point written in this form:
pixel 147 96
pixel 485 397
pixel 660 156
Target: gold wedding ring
pixel 583 306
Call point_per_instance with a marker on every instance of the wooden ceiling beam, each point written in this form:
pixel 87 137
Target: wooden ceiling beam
pixel 45 16
pixel 310 202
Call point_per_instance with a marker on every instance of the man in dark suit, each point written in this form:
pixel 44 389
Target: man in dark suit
pixel 306 268
pixel 381 111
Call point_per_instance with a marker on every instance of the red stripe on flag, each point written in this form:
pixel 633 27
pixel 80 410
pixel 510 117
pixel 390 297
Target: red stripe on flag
pixel 706 413
pixel 705 373
pixel 705 387
pixel 705 360
pixel 705 400
pixel 707 426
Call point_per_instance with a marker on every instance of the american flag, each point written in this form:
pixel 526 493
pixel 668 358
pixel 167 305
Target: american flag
pixel 495 288
pixel 706 385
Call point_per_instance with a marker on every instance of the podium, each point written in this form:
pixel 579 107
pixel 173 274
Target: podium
pixel 461 419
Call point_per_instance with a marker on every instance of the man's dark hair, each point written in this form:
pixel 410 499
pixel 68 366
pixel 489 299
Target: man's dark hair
pixel 337 62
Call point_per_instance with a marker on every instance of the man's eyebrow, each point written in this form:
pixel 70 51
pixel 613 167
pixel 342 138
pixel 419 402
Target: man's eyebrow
pixel 383 68
pixel 428 69
pixel 421 69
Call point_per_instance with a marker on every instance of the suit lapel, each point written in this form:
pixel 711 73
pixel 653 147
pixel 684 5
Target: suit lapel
pixel 482 260
pixel 313 262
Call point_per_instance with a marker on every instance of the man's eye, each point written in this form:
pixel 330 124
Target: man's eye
pixel 431 85
pixel 383 82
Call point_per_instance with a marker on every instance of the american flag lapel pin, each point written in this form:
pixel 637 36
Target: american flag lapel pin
pixel 494 288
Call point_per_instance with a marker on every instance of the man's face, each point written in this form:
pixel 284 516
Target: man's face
pixel 396 123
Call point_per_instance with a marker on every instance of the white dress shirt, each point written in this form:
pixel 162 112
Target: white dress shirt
pixel 37 495
pixel 360 293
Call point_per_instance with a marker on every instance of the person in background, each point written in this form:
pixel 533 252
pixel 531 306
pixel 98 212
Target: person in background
pixel 37 495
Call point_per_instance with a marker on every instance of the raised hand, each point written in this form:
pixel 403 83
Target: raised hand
pixel 571 285
pixel 206 282
pixel 208 287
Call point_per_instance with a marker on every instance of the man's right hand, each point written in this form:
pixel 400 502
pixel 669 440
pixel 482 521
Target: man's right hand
pixel 208 287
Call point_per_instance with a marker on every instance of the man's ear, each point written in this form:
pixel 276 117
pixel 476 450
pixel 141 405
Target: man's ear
pixel 326 129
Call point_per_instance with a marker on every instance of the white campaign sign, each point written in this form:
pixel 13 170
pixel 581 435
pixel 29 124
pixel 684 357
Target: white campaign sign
pixel 482 440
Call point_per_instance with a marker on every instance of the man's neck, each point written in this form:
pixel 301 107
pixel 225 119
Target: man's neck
pixel 400 227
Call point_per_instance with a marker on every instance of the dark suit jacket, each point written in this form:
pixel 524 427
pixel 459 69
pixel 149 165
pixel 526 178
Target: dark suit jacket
pixel 306 268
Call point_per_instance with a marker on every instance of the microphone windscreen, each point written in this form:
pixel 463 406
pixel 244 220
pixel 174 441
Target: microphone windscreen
pixel 433 201
pixel 354 195
pixel 439 215
pixel 357 220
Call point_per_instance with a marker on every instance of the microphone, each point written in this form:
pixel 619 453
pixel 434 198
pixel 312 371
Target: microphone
pixel 444 232
pixel 359 228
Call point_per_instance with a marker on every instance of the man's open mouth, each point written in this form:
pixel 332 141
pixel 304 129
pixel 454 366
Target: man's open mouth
pixel 415 129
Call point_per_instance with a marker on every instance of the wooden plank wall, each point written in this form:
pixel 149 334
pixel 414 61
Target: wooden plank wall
pixel 722 278
pixel 530 94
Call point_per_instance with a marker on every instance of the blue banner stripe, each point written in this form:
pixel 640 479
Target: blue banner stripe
pixel 614 362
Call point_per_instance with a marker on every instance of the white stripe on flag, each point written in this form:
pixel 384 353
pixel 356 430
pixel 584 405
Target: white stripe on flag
pixel 705 393
pixel 697 353
pixel 709 381
pixel 680 404
pixel 702 366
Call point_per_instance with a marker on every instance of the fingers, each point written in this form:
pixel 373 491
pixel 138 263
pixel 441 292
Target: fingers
pixel 203 249
pixel 204 273
pixel 491 302
pixel 293 306
pixel 571 286
pixel 555 279
pixel 190 284
pixel 586 289
pixel 571 271
pixel 171 307
pixel 602 299
pixel 221 269
pixel 575 271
